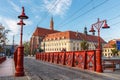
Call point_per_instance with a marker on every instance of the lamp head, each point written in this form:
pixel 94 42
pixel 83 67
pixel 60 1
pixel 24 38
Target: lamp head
pixel 21 22
pixel 23 16
pixel 92 29
pixel 106 25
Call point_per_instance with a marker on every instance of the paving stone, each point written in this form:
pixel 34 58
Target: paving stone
pixel 40 70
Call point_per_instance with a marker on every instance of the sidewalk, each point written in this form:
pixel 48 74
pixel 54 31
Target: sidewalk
pixel 7 71
pixel 7 68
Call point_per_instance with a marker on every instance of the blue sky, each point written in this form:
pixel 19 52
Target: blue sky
pixel 68 15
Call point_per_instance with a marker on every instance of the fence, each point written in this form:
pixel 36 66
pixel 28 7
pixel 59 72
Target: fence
pixel 80 59
pixel 2 59
pixel 15 57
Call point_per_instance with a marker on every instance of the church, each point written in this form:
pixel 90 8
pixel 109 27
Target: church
pixel 50 40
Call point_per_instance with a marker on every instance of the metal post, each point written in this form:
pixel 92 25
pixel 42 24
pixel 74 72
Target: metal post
pixel 21 34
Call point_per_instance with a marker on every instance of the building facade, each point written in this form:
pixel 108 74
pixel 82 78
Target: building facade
pixel 107 49
pixel 51 40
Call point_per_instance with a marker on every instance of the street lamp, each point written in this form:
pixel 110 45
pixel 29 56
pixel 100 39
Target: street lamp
pixel 98 25
pixel 20 53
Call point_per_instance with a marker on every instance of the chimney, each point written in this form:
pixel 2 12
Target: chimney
pixel 51 24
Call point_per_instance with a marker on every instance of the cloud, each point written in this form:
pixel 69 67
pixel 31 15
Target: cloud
pixel 15 7
pixel 57 7
pixel 11 24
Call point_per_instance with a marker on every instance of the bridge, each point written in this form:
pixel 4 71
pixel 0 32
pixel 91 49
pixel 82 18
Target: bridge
pixel 43 70
pixel 74 65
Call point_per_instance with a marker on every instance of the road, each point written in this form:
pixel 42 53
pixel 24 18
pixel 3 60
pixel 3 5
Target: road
pixel 39 70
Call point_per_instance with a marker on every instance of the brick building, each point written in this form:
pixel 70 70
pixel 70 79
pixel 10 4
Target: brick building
pixel 51 40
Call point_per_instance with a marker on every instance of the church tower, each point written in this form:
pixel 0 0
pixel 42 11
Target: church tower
pixel 51 24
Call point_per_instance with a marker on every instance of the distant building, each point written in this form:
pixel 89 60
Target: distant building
pixel 51 40
pixel 9 49
pixel 107 49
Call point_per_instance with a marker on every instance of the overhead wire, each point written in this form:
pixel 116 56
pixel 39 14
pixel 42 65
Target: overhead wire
pixel 114 17
pixel 107 9
pixel 75 18
pixel 45 16
pixel 77 11
pixel 115 23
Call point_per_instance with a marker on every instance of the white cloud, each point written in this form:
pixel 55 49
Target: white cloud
pixel 11 24
pixel 15 7
pixel 57 7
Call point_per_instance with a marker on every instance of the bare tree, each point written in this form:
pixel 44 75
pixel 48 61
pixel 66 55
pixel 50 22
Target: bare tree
pixel 3 36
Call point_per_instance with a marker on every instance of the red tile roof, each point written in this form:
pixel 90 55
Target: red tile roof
pixel 110 43
pixel 42 31
pixel 72 35
pixel 82 36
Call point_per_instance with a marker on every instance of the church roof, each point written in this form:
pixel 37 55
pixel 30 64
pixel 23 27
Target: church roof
pixel 42 31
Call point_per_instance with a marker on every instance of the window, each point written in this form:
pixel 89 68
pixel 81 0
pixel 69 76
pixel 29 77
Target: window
pixel 77 44
pixel 65 43
pixel 74 44
pixel 73 48
pixel 59 49
pixel 105 54
pixel 105 50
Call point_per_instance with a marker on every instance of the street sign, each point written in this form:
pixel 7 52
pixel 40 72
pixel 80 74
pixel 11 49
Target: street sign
pixel 118 45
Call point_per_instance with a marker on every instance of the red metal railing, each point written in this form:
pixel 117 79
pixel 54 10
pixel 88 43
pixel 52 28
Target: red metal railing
pixel 2 59
pixel 15 57
pixel 69 58
pixel 80 59
pixel 61 59
pixel 56 57
pixel 91 60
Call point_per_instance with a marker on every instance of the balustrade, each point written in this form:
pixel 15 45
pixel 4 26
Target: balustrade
pixel 79 59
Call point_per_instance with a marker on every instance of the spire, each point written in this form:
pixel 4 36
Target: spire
pixel 51 24
pixel 85 30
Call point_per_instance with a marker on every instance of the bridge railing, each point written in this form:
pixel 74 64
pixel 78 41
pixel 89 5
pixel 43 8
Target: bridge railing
pixel 2 59
pixel 79 59
pixel 15 57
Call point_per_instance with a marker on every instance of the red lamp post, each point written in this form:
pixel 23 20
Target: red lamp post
pixel 20 53
pixel 98 25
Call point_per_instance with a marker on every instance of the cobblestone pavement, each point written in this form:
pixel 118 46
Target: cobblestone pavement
pixel 38 70
pixel 7 71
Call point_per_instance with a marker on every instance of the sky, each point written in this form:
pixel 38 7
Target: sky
pixel 71 15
